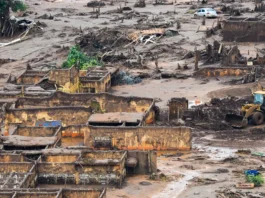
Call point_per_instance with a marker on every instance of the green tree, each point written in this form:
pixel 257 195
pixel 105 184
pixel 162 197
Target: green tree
pixel 5 7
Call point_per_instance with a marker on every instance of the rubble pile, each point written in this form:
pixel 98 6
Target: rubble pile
pixel 211 115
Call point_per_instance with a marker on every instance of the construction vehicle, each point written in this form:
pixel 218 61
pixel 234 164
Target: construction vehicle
pixel 250 113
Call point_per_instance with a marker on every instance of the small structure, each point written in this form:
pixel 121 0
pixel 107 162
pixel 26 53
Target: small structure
pixel 177 107
pixel 95 81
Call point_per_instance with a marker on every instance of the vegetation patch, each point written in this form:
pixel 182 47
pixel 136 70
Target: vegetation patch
pixel 80 59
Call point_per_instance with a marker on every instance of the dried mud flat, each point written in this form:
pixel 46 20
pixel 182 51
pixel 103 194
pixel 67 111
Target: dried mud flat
pixel 214 166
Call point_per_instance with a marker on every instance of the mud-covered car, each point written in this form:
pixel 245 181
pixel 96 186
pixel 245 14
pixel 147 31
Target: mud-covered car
pixel 206 12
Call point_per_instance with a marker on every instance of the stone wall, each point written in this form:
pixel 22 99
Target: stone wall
pixel 99 86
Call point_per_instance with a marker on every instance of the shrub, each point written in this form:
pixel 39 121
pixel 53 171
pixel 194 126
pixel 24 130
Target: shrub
pixel 257 180
pixel 80 59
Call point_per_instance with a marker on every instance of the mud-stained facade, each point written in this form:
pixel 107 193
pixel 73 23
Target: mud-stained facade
pixel 62 167
pixel 95 81
pixel 101 102
pixel 141 138
pixel 240 29
pixel 30 117
pixel 73 81
pixel 94 167
pixel 222 71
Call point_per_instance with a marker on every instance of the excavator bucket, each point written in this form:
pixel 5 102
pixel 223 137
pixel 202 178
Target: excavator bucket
pixel 236 121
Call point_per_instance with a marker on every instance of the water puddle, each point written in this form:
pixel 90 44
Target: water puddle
pixel 175 188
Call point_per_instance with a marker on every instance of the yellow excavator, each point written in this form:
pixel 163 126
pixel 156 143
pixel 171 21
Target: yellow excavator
pixel 250 113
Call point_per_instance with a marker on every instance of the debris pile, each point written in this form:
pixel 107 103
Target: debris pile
pixel 123 78
pixel 101 41
pixel 212 115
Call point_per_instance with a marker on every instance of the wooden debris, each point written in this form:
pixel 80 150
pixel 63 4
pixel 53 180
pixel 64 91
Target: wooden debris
pixel 245 185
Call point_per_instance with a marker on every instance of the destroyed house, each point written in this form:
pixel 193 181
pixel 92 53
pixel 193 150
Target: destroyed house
pixel 95 81
pixel 69 167
pixel 62 167
pixel 240 29
pixel 85 167
pixel 16 171
pixel 53 193
pixel 106 109
pixel 30 77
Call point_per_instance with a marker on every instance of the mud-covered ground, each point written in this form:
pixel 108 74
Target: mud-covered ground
pixel 214 166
